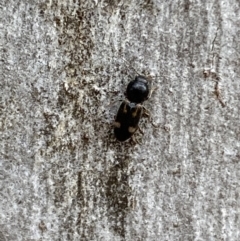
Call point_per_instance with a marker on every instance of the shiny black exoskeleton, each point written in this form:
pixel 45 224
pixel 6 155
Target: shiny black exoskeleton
pixel 138 90
pixel 131 109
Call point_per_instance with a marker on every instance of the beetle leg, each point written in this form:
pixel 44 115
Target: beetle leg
pixel 148 114
pixel 140 130
pixel 134 141
pixel 154 125
pixel 151 91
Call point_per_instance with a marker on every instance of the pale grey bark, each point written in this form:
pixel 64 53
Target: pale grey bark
pixel 63 176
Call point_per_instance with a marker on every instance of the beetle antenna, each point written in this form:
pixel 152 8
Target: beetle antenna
pixel 130 65
pixel 153 77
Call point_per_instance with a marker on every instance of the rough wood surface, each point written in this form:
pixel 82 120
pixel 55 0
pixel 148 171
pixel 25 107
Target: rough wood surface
pixel 63 176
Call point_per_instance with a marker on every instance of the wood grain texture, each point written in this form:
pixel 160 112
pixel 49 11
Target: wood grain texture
pixel 63 176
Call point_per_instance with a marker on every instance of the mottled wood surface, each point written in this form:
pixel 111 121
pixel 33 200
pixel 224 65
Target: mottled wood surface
pixel 64 66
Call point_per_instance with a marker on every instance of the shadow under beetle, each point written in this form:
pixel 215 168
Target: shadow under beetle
pixel 131 109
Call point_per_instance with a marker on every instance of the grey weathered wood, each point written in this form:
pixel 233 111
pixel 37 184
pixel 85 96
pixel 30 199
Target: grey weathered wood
pixel 62 174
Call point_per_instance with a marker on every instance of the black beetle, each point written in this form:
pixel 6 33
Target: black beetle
pixel 131 109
